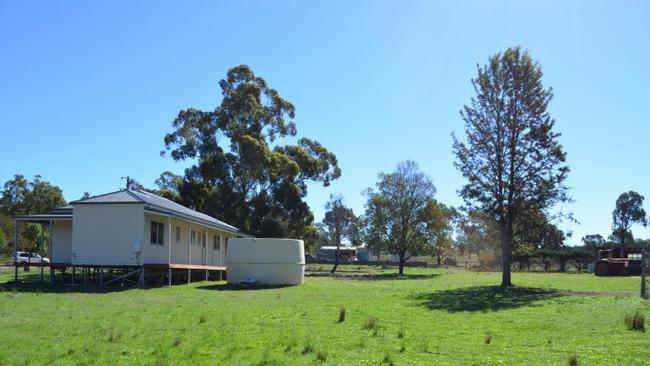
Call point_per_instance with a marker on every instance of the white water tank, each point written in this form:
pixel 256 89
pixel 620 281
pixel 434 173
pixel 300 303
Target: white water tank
pixel 269 261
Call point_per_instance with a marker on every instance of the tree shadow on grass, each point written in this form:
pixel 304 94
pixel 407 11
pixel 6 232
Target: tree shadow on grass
pixel 48 288
pixel 232 287
pixel 484 298
pixel 390 276
pixel 365 276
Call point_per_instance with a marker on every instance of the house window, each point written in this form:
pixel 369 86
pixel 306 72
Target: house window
pixel 216 244
pixel 204 238
pixel 193 237
pixel 157 233
pixel 178 233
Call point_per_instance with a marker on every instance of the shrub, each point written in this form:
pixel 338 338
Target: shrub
pixel 342 314
pixel 635 321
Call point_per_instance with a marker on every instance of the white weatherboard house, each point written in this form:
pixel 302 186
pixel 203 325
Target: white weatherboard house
pixel 134 230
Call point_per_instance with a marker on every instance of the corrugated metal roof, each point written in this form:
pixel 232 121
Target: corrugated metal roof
pixel 155 203
pixel 122 196
pixel 63 212
pixel 167 205
pixel 45 217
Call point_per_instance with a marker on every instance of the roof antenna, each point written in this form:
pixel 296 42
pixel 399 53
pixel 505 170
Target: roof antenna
pixel 129 181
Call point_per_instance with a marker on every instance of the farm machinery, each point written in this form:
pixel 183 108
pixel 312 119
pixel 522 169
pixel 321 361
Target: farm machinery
pixel 619 262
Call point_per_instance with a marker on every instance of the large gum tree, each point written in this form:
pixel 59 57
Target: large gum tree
pixel 249 168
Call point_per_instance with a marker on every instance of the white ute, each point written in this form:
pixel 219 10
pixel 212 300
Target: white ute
pixel 24 257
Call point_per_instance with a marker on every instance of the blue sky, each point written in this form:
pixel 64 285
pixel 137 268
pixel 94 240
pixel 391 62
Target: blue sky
pixel 88 89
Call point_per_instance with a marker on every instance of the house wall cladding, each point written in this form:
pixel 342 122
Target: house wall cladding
pixel 61 248
pixel 103 234
pixel 154 253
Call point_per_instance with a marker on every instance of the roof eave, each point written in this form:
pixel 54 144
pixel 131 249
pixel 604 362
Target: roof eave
pixel 172 213
pixel 42 217
pixel 106 203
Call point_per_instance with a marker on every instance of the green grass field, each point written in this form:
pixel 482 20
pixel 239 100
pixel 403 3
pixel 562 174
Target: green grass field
pixel 434 317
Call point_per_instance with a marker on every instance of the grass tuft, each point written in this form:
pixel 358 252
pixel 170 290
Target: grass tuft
pixel 292 343
pixel 635 321
pixel 307 349
pixel 177 341
pixel 400 334
pixel 266 360
pixel 202 319
pixel 321 356
pixel 388 359
pixel 574 360
pixel 113 335
pixel 402 349
pixel 372 323
pixel 361 344
pixel 488 338
pixel 342 312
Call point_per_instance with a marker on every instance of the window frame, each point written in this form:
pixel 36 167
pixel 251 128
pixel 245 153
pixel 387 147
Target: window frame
pixel 156 232
pixel 178 234
pixel 216 243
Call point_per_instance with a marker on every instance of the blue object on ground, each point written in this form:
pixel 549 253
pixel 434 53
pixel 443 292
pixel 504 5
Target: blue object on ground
pixel 248 281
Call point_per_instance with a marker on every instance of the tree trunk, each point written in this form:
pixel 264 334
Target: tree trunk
pixel 439 259
pixel 336 257
pixel 401 263
pixel 506 245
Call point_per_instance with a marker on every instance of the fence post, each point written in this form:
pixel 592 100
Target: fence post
pixel 644 264
pixel 16 249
